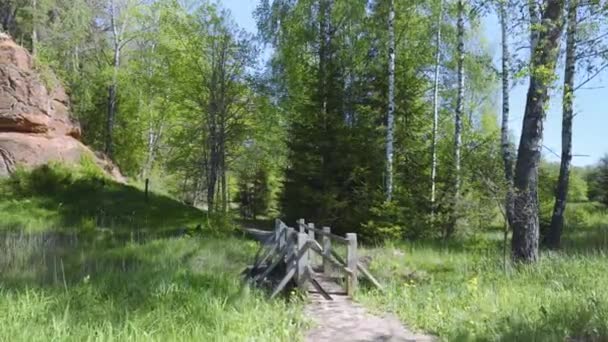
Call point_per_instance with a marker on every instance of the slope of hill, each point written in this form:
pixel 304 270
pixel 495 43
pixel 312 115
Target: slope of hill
pixel 87 258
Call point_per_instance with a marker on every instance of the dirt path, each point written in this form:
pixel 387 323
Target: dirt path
pixel 342 320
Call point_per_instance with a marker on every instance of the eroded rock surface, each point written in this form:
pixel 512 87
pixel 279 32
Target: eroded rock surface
pixel 35 123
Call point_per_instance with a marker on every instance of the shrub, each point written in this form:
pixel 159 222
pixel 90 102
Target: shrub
pixel 46 179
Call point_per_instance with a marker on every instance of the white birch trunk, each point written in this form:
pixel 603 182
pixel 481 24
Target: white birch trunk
pixel 436 111
pixel 506 147
pixel 561 193
pixel 391 102
pixel 458 119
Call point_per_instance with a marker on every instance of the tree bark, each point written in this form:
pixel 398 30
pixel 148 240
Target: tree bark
pixel 391 102
pixel 543 59
pixel 457 121
pixel 535 21
pixel 112 89
pixel 506 146
pixel 435 111
pixel 561 193
pixel 34 31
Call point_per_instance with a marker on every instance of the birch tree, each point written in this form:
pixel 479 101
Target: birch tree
pixel 435 110
pixel 119 16
pixel 590 52
pixel 460 31
pixel 506 145
pixel 391 102
pixel 543 61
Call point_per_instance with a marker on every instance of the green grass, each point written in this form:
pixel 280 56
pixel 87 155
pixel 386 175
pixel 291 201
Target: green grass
pixel 163 290
pixel 57 198
pixel 461 292
pixel 83 258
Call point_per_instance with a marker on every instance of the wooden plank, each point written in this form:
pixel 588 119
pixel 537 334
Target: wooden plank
pixel 266 272
pixel 311 237
pixel 338 257
pixel 289 241
pixel 302 258
pixel 288 276
pixel 266 256
pixel 326 251
pixel 330 235
pixel 302 225
pixel 310 276
pixel 351 263
pixel 278 232
pixel 317 248
pixel 369 276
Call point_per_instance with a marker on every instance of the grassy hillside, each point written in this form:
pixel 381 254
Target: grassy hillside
pixel 70 268
pixel 67 199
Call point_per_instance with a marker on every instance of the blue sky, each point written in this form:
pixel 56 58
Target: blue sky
pixel 591 105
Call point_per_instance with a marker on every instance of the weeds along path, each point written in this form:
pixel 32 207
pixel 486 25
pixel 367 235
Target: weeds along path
pixel 343 320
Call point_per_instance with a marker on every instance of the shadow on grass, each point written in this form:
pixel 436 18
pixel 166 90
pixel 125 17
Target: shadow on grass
pixel 130 272
pixel 92 202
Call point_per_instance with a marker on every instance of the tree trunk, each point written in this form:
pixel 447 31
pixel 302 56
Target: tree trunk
pixel 543 59
pixel 535 20
pixel 506 147
pixel 457 121
pixel 211 182
pixel 391 102
pixel 34 31
pixel 112 89
pixel 112 94
pixel 154 136
pixel 561 193
pixel 436 111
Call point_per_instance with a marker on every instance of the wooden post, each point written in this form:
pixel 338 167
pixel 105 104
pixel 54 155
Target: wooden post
pixel 326 251
pixel 302 226
pixel 289 232
pixel 302 260
pixel 278 233
pixel 311 237
pixel 351 263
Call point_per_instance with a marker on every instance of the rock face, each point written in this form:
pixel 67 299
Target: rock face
pixel 35 123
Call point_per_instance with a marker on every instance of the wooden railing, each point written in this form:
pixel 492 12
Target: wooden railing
pixel 298 250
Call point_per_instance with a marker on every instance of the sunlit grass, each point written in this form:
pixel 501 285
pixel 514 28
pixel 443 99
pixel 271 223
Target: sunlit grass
pixel 86 259
pixel 163 290
pixel 465 294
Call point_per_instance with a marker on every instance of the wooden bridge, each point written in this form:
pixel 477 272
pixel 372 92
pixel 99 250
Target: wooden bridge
pixel 308 257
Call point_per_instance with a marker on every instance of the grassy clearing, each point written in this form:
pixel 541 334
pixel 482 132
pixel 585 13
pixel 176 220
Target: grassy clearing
pixel 462 292
pixel 71 273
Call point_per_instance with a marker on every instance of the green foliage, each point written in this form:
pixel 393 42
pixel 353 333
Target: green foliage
pixel 597 178
pixel 547 182
pixel 253 193
pixel 387 224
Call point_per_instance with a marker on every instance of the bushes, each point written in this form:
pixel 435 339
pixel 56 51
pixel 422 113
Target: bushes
pixel 53 177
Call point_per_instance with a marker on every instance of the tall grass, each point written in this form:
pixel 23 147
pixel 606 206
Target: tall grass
pixel 162 290
pixel 462 292
pixel 84 258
